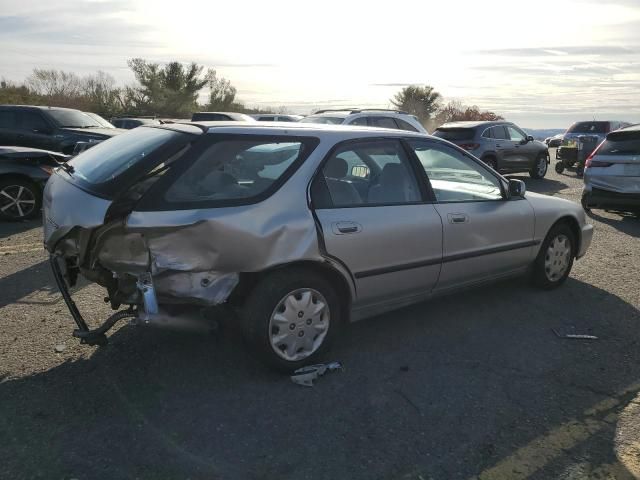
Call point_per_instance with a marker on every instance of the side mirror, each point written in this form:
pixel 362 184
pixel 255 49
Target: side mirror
pixel 517 188
pixel 529 138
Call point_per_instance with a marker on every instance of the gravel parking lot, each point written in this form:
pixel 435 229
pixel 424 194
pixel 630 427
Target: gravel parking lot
pixel 474 386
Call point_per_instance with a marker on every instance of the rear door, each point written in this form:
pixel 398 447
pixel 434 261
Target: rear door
pixel 485 235
pixel 389 235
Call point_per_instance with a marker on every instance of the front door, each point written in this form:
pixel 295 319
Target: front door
pixel 485 235
pixel 376 219
pixel 519 150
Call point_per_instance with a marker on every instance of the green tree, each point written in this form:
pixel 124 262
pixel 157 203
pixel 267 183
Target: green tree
pixel 222 94
pixel 421 101
pixel 170 90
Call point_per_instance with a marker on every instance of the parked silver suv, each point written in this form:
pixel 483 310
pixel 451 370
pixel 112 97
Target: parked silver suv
pixel 503 146
pixel 612 173
pixel 297 228
pixel 367 117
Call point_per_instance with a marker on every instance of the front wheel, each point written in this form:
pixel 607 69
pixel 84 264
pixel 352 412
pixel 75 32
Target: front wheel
pixel 559 167
pixel 291 317
pixel 19 199
pixel 555 259
pixel 492 162
pixel 539 169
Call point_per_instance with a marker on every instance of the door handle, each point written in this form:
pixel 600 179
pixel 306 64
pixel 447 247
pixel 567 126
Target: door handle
pixel 342 228
pixel 457 218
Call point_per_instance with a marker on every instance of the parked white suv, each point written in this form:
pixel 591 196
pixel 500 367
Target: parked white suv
pixel 394 119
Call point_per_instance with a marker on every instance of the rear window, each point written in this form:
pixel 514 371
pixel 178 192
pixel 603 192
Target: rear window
pixel 111 158
pixel 237 170
pixel 455 134
pixel 589 127
pixel 621 144
pixel 323 119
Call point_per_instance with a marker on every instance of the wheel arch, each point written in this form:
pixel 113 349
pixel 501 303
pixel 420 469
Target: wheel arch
pixel 573 224
pixel 344 288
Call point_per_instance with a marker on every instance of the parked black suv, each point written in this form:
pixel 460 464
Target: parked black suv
pixel 49 128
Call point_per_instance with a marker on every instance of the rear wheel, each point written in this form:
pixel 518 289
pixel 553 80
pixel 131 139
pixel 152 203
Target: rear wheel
pixel 555 259
pixel 539 169
pixel 492 162
pixel 291 317
pixel 559 167
pixel 20 199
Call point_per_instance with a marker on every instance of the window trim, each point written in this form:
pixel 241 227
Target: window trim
pixel 501 180
pixel 426 192
pixel 154 201
pixel 524 135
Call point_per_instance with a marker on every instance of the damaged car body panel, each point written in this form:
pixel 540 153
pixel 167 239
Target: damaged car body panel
pixel 195 256
pixel 297 229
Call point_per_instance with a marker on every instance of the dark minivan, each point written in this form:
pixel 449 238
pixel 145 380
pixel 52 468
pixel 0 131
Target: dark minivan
pixel 49 128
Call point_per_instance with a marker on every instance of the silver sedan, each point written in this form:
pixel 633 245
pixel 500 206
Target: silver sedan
pixel 292 230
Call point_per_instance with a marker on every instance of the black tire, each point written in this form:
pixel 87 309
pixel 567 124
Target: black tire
pixel 537 171
pixel 559 167
pixel 584 201
pixel 28 195
pixel 269 294
pixel 492 162
pixel 540 275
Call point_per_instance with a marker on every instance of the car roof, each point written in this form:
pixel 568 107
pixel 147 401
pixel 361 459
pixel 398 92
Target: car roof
pixel 26 151
pixel 474 124
pixel 299 129
pixel 41 107
pixel 632 128
pixel 242 116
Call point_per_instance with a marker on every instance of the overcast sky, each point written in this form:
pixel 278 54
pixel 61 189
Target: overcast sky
pixel 541 64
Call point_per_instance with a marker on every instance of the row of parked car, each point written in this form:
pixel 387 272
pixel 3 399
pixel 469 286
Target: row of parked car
pixel 502 145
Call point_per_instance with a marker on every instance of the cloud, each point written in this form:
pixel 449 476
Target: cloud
pixel 589 50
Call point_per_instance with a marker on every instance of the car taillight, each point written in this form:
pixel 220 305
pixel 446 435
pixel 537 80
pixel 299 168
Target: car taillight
pixel 469 146
pixel 589 161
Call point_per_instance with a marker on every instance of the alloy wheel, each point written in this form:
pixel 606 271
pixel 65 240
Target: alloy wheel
pixel 17 201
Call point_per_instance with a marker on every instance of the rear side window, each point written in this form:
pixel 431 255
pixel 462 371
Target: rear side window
pixel 238 169
pixel 589 127
pixel 323 120
pixel 209 117
pixel 455 134
pixel 621 144
pixel 368 173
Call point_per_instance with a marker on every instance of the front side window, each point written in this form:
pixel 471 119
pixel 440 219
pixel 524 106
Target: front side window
pixel 370 173
pixel 515 134
pixel 361 121
pixel 455 177
pixel 72 119
pixel 30 121
pixel 236 169
pixel 7 119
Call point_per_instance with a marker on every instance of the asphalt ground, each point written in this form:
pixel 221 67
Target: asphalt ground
pixel 471 386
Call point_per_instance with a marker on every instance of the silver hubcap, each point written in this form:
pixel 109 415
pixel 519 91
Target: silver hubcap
pixel 299 324
pixel 17 201
pixel 557 258
pixel 542 166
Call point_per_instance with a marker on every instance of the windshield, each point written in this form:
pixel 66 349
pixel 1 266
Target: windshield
pixel 101 121
pixel 621 145
pixel 589 127
pixel 72 118
pixel 110 158
pixel 454 134
pixel 323 119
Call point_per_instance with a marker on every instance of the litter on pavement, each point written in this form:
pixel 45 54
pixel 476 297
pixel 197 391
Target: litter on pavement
pixel 306 375
pixel 569 332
